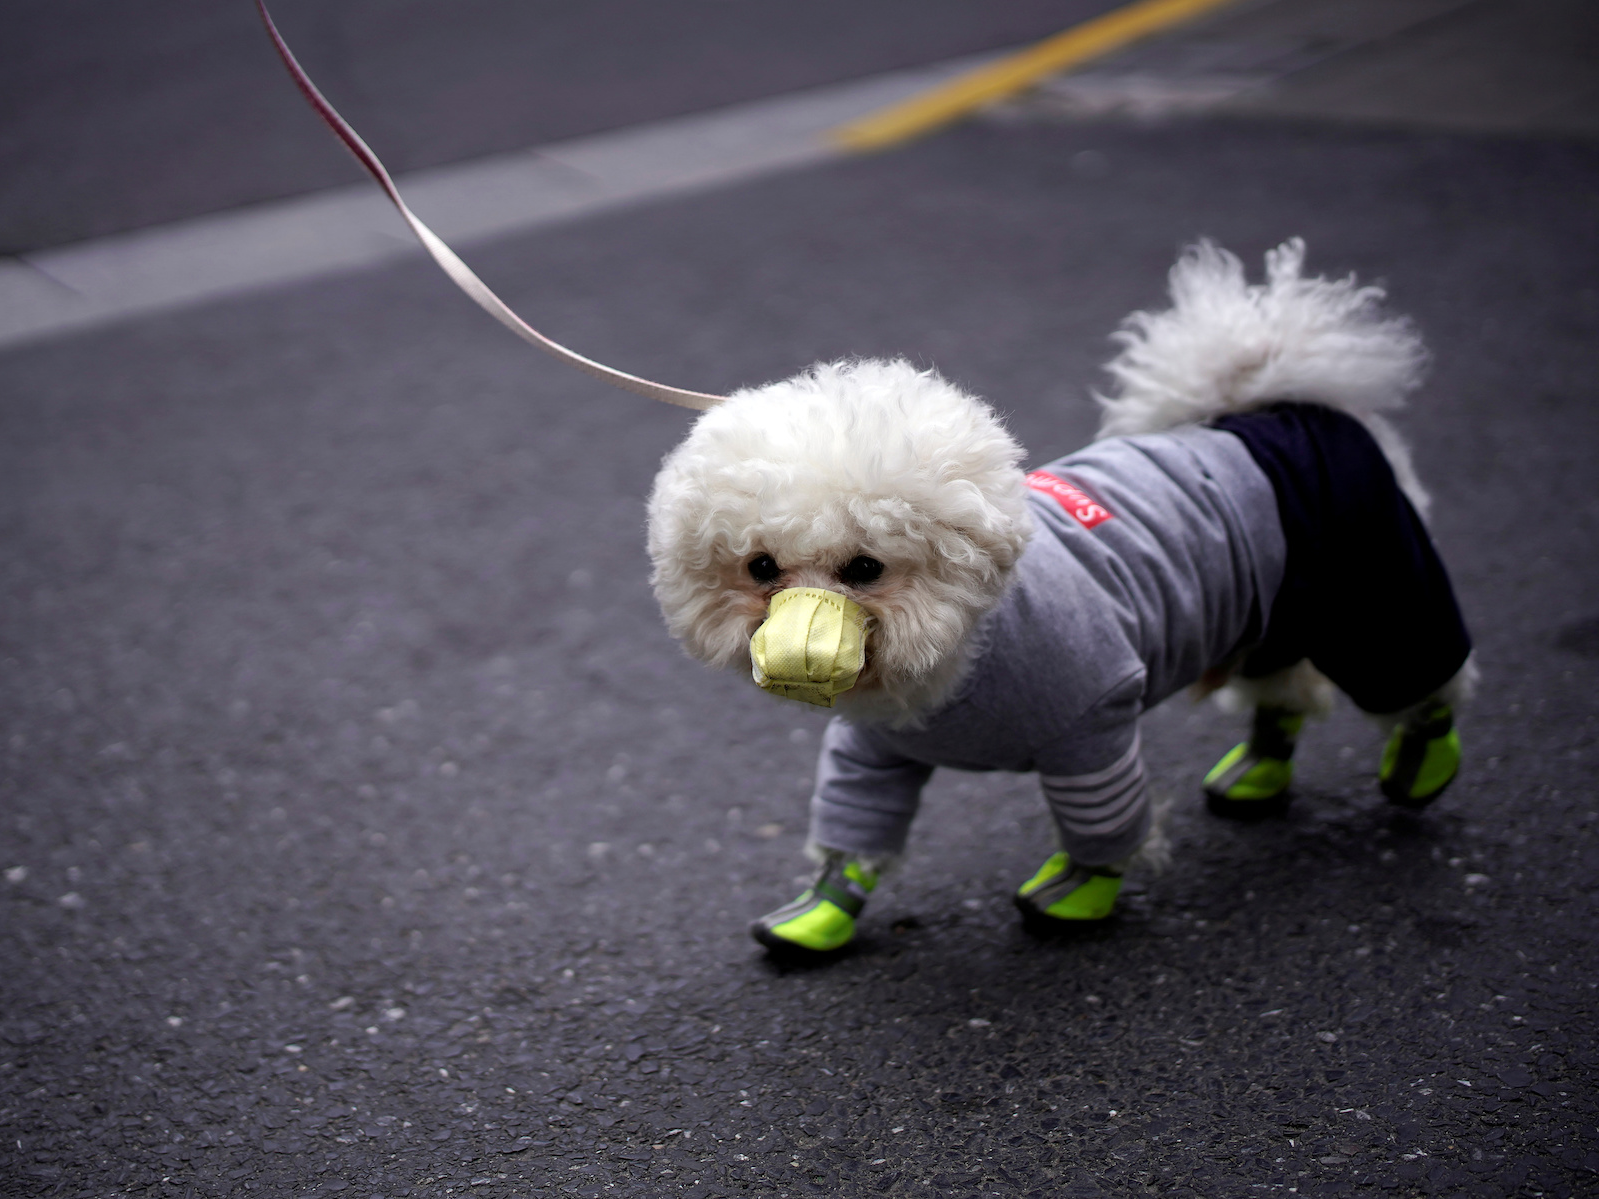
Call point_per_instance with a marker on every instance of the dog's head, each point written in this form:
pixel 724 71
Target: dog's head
pixel 870 480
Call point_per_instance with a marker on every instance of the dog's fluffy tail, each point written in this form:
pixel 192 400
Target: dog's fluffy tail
pixel 1228 346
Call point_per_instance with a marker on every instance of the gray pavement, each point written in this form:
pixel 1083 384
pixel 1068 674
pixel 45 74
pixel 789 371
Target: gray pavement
pixel 1505 66
pixel 1522 67
pixel 118 115
pixel 364 833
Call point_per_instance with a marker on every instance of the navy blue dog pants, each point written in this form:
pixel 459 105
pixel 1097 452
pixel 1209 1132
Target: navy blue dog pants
pixel 1364 594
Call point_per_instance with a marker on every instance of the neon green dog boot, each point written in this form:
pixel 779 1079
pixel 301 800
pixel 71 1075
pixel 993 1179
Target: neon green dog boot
pixel 1421 758
pixel 823 918
pixel 1252 778
pixel 1062 894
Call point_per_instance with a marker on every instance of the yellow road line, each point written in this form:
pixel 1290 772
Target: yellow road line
pixel 1077 45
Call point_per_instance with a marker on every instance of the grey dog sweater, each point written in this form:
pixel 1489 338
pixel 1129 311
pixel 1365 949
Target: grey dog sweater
pixel 1153 558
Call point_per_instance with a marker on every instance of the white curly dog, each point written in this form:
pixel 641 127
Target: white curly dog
pixel 863 536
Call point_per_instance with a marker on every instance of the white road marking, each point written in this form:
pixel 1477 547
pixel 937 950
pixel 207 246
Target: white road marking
pixel 344 229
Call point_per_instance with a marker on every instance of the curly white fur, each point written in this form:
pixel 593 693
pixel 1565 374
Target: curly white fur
pixel 1228 346
pixel 848 458
pixel 884 460
pixel 1299 688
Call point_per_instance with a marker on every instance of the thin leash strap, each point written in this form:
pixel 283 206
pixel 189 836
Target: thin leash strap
pixel 451 264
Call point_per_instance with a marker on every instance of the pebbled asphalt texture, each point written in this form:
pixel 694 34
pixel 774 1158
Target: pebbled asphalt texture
pixel 365 833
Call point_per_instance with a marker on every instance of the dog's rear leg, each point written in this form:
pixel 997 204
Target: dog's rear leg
pixel 1422 755
pixel 1252 778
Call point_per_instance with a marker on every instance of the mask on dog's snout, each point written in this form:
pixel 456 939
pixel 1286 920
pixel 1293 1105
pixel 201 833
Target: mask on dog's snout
pixel 812 646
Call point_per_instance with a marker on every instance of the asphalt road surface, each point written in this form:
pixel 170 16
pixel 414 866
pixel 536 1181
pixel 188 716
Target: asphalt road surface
pixel 117 115
pixel 363 831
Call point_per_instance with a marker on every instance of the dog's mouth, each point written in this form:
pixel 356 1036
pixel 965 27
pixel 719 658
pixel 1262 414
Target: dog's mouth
pixel 811 646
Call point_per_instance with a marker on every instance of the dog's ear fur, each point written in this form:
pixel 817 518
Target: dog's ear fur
pixel 851 457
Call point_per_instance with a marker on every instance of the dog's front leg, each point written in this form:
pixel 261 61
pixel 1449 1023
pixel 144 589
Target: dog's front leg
pixel 861 811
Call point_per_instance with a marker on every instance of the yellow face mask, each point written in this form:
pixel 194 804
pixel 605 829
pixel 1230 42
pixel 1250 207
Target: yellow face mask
pixel 812 646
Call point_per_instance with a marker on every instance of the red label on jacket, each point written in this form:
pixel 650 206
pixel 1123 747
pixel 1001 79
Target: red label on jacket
pixel 1085 510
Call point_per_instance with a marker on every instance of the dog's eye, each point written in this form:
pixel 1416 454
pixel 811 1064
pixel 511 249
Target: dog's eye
pixel 861 570
pixel 764 569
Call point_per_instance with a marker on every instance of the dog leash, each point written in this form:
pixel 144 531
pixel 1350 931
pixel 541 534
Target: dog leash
pixel 450 262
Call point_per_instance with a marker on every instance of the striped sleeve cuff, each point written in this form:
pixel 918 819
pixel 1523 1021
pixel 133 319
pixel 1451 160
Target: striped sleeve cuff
pixel 1101 805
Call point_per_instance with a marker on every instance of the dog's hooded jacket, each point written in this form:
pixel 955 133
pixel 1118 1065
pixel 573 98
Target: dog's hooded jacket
pixel 1109 614
pixel 1154 558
